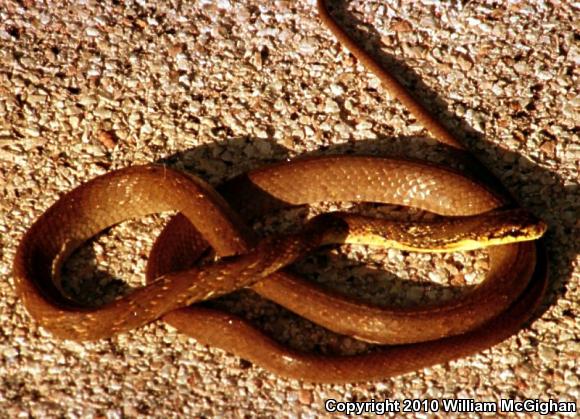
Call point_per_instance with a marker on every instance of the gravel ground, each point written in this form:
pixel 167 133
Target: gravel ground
pixel 218 87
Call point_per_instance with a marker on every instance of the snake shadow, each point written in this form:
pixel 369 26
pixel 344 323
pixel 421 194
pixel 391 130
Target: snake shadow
pixel 533 186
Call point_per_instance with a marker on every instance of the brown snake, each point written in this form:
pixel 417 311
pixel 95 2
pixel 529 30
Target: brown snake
pixel 420 337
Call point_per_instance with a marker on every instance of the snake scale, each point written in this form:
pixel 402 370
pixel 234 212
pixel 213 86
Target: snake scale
pixel 410 338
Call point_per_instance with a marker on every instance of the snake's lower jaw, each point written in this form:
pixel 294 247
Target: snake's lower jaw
pixel 536 231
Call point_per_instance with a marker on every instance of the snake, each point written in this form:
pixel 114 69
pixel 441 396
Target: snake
pixel 471 214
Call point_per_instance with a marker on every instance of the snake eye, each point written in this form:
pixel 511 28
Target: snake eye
pixel 515 232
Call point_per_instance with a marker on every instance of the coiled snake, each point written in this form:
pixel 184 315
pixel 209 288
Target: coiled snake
pixel 421 337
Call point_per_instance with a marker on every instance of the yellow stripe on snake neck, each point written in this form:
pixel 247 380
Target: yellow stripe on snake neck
pixel 446 234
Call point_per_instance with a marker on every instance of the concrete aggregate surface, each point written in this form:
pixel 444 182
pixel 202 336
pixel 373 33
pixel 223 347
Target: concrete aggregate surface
pixel 220 87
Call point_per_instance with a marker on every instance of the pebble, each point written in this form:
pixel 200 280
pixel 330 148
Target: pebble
pixel 32 132
pixel 308 46
pixel 10 352
pixel 547 354
pixel 93 32
pixel 107 139
pixel 331 106
pixel 74 121
pixel 305 397
pixel 87 100
pixel 103 113
pixel 36 99
pixel 336 89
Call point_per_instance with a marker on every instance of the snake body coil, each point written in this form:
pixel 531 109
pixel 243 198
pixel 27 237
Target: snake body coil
pixel 491 312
